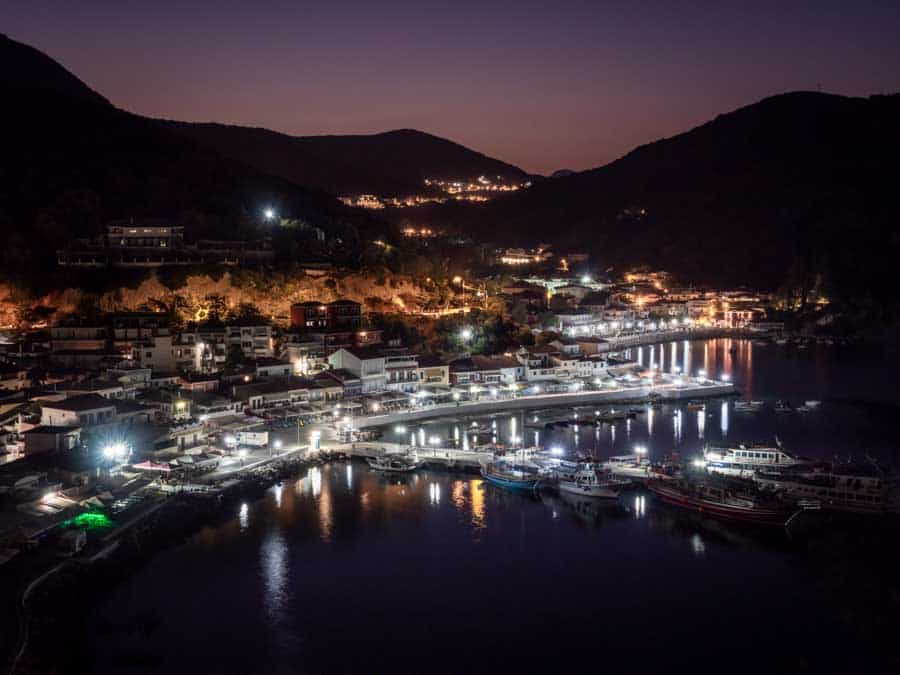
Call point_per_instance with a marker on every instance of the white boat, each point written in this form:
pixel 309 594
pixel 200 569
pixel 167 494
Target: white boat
pixel 588 481
pixel 745 460
pixel 748 406
pixel 394 463
pixel 840 488
pixel 809 406
pixel 783 406
pixel 627 466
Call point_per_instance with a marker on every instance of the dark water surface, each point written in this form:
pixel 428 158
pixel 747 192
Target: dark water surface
pixel 343 571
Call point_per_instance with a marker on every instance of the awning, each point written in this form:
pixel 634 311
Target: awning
pixel 151 466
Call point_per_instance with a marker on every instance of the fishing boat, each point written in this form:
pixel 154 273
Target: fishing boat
pixel 748 406
pixel 729 502
pixel 511 476
pixel 589 481
pixel 394 463
pixel 627 466
pixel 743 461
pixel 850 488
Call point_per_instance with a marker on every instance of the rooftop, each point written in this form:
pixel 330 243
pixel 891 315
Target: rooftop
pixel 80 403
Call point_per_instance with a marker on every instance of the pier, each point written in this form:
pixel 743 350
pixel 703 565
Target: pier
pixel 667 392
pixel 620 342
pixel 446 458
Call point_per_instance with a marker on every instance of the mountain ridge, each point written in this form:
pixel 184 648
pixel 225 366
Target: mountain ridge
pixel 794 186
pixel 388 163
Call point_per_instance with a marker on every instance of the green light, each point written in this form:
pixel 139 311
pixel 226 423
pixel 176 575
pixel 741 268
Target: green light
pixel 89 520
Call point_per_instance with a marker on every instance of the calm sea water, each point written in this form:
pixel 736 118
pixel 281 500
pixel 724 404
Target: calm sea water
pixel 344 571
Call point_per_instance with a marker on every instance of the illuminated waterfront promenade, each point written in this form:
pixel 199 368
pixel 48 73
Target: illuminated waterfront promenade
pixel 666 392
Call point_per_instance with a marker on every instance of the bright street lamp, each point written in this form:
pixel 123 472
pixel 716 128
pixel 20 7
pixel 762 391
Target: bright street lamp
pixel 466 334
pixel 268 213
pixel 115 451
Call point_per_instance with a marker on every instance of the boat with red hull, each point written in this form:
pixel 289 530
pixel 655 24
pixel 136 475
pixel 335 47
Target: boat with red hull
pixel 723 501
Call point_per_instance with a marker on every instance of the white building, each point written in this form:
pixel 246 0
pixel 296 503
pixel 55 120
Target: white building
pixel 85 410
pixel 366 363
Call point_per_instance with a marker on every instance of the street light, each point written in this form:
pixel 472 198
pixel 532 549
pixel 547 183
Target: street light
pixel 466 334
pixel 114 450
pixel 269 213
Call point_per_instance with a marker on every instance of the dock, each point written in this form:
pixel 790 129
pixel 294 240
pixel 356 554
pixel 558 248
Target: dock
pixel 442 458
pixel 619 395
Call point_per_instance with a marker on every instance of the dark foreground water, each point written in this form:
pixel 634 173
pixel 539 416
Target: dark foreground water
pixel 343 571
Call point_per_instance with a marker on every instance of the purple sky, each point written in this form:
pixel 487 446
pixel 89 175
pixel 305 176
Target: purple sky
pixel 544 85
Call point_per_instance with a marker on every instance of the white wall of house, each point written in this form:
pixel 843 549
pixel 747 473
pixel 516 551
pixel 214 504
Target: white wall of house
pixel 51 416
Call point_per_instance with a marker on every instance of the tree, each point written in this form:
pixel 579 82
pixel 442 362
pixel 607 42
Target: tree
pixel 560 302
pixel 247 312
pixel 519 312
pixel 234 357
pixel 547 320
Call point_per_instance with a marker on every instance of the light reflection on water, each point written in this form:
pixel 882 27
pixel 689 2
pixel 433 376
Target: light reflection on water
pixel 342 551
pixel 275 572
pixel 769 370
pixel 244 516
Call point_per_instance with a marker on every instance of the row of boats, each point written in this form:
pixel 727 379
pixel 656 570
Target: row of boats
pixel 781 406
pixel 758 483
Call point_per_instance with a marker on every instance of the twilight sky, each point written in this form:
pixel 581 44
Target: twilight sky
pixel 544 85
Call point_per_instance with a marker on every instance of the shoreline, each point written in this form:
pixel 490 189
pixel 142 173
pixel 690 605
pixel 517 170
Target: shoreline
pixel 112 556
pixel 84 581
pixel 635 395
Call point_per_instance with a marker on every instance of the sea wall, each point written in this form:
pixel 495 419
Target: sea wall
pixel 631 395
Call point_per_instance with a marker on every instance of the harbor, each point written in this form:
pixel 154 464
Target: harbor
pixel 302 514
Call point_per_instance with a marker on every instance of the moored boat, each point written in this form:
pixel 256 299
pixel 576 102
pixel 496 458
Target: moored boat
pixel 850 488
pixel 394 463
pixel 743 461
pixel 748 406
pixel 627 466
pixel 589 481
pixel 724 501
pixel 511 476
